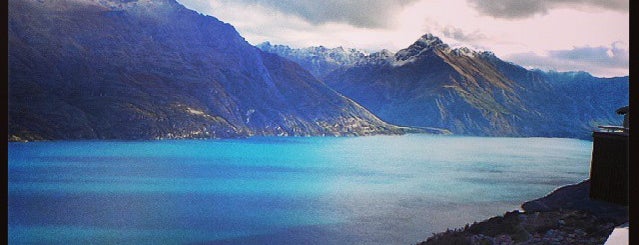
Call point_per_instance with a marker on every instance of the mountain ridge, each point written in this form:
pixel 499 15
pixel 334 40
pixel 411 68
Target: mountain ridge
pixel 429 84
pixel 317 60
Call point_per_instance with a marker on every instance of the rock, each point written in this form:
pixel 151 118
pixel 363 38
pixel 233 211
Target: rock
pixel 576 197
pixel 562 217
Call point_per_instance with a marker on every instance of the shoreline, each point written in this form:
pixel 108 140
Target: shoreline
pixel 565 216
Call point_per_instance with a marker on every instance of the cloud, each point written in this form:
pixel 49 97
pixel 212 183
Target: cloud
pixel 606 61
pixel 518 9
pixel 613 56
pixel 396 24
pixel 459 34
pixel 359 13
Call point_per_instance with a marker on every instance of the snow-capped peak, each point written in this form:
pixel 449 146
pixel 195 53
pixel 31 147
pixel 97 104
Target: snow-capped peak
pixel 424 43
pixel 428 40
pixel 382 57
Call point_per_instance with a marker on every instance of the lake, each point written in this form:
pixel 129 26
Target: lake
pixel 317 190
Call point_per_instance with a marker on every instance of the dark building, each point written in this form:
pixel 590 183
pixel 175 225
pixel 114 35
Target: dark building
pixel 609 164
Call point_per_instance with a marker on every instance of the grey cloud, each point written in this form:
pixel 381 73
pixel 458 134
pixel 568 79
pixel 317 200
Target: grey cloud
pixel 517 9
pixel 459 35
pixel 360 13
pixel 603 61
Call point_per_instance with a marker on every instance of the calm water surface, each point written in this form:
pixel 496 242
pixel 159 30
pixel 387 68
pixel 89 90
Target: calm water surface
pixel 360 190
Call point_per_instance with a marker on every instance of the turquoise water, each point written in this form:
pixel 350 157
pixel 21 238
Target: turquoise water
pixel 357 190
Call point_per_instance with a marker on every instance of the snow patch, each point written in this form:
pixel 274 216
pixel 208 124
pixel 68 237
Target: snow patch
pixel 195 112
pixel 248 115
pixel 464 51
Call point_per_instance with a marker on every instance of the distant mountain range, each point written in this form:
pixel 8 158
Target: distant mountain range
pixel 139 69
pixel 466 92
pixel 318 60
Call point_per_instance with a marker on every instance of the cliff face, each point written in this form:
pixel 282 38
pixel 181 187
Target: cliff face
pixel 139 69
pixel 429 84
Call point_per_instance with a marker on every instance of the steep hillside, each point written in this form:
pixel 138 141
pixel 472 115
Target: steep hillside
pixel 142 69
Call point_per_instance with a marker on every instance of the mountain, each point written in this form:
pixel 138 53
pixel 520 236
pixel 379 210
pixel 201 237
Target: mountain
pixel 148 69
pixel 429 84
pixel 317 60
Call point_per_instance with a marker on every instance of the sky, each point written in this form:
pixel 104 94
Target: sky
pixel 560 35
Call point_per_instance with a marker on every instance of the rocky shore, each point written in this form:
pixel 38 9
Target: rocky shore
pixel 565 216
